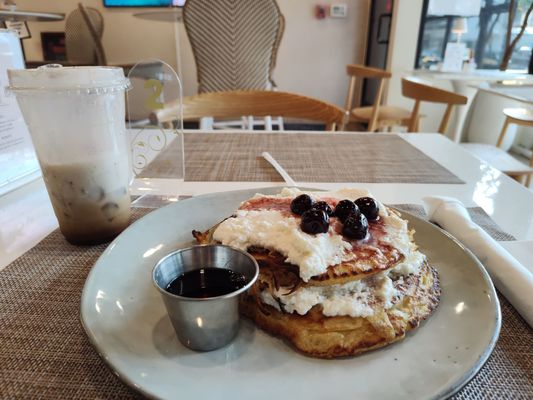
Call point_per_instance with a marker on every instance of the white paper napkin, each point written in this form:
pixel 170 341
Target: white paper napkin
pixel 509 276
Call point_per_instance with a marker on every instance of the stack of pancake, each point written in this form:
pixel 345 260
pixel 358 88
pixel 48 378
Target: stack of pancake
pixel 328 295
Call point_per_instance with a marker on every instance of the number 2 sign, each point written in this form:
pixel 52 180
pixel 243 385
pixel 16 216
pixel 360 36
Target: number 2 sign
pixel 154 110
pixel 153 103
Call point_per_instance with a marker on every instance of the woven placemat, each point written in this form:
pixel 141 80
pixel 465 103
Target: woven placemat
pixel 478 215
pixel 307 157
pixel 45 354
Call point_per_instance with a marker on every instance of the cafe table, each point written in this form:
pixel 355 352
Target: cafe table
pixel 518 92
pixel 463 82
pixel 398 169
pixel 485 127
pixel 20 15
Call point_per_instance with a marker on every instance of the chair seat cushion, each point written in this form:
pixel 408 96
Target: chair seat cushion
pixel 498 158
pixel 385 113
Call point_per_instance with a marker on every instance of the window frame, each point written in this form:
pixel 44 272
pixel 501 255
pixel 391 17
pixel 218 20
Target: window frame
pixel 485 12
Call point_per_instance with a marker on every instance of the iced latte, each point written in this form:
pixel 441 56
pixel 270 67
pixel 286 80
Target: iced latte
pixel 76 120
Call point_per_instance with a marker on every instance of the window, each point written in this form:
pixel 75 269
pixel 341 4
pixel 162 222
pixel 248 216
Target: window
pixel 485 36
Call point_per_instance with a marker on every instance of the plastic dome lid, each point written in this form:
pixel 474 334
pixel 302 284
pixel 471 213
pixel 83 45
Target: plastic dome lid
pixel 56 78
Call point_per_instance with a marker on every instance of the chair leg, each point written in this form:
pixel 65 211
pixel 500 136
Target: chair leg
pixel 206 123
pixel 281 124
pixel 414 117
pixel 503 132
pixel 446 119
pixel 250 123
pixel 268 123
pixel 528 179
pixel 417 125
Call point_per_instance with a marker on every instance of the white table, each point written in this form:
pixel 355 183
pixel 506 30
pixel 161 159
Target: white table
pixel 26 215
pixel 486 116
pixel 522 92
pixel 19 15
pixel 463 83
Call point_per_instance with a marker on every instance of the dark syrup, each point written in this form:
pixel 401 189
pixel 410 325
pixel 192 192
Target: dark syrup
pixel 206 282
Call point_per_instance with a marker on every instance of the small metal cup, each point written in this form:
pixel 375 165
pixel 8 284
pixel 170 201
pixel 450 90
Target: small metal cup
pixel 204 323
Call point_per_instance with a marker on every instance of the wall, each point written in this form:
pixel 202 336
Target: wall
pixel 313 54
pixel 126 38
pixel 311 59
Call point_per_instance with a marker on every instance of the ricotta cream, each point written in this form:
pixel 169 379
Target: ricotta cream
pixel 272 229
pixel 355 299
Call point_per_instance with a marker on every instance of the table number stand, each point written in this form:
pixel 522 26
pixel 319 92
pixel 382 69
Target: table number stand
pixel 154 83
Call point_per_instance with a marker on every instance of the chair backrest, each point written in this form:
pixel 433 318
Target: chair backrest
pixel 357 73
pixel 234 42
pixel 84 28
pixel 256 103
pixel 420 90
pixel 274 58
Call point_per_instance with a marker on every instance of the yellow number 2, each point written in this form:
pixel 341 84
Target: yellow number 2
pixel 157 87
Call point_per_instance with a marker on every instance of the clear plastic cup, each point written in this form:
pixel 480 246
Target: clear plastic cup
pixel 76 118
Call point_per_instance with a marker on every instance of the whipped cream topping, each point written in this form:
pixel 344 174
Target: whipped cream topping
pixel 396 233
pixel 354 299
pixel 275 230
pixel 270 229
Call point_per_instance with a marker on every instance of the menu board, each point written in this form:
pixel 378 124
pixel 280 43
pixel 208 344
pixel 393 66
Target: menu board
pixel 454 57
pixel 18 162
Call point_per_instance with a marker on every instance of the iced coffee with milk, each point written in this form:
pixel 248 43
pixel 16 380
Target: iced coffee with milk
pixel 76 118
pixel 91 199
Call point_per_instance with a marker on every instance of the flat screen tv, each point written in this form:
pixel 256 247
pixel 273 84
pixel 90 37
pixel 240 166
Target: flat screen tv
pixel 144 3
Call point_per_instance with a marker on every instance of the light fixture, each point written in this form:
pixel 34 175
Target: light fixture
pixel 459 27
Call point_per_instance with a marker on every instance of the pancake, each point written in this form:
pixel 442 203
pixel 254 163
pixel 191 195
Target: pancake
pixel 326 294
pixel 329 337
pixel 363 258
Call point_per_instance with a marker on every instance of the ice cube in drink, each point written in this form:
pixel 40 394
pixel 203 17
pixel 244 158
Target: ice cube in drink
pixel 90 199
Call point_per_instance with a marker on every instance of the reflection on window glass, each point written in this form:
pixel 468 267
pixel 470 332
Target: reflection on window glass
pixel 432 43
pixel 485 36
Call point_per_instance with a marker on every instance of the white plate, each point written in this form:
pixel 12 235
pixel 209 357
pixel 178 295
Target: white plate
pixel 125 320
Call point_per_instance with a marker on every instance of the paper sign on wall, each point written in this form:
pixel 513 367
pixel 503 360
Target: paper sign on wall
pixel 18 162
pixel 20 27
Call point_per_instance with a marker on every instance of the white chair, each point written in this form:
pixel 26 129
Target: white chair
pixel 499 158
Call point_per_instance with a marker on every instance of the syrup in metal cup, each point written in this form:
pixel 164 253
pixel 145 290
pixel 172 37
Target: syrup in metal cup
pixel 204 323
pixel 76 119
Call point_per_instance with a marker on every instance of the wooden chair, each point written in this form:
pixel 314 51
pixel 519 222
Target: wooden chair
pixel 420 90
pixel 499 158
pixel 257 103
pixel 377 115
